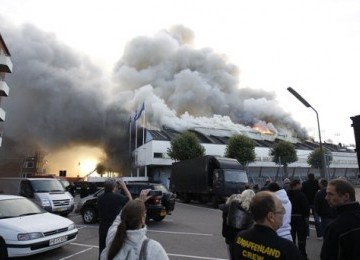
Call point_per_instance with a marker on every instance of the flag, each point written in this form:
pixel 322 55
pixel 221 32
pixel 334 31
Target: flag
pixel 138 113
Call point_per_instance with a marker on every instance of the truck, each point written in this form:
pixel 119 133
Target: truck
pixel 48 193
pixel 207 179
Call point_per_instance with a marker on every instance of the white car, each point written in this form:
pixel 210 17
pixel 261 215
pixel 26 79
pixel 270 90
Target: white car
pixel 27 229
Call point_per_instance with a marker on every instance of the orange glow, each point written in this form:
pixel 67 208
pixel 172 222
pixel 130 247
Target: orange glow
pixel 76 160
pixel 262 129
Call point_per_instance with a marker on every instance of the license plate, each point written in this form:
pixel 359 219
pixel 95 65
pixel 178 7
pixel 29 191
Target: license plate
pixel 163 213
pixel 57 240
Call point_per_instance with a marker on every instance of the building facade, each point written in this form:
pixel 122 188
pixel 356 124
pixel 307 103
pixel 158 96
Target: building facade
pixel 6 66
pixel 151 158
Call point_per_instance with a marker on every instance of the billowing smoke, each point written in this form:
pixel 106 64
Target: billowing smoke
pixel 58 98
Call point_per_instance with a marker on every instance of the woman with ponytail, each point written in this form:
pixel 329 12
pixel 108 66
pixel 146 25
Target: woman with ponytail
pixel 128 241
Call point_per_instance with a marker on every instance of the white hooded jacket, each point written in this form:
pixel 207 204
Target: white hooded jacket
pixel 132 245
pixel 284 230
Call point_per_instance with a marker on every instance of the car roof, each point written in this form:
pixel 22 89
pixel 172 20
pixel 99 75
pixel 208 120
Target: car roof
pixel 6 197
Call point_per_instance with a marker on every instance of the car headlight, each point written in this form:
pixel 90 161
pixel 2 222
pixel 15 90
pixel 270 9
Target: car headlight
pixel 71 227
pixel 45 203
pixel 29 236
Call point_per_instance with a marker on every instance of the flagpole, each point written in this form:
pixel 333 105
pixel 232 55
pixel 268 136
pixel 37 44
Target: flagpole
pixel 144 126
pixel 136 166
pixel 130 122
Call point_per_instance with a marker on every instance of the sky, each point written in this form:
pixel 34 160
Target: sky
pixel 312 46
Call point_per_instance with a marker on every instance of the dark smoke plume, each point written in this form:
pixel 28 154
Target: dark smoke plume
pixel 58 98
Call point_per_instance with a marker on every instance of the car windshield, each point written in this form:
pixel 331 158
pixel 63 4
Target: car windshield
pixel 65 183
pixel 12 208
pixel 47 185
pixel 235 176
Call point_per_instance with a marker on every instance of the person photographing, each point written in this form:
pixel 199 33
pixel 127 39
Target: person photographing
pixel 127 238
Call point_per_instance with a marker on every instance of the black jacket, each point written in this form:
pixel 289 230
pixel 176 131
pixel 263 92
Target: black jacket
pixel 261 241
pixel 299 202
pixel 322 207
pixel 310 187
pixel 342 236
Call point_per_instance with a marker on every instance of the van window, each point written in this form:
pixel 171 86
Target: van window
pixel 46 185
pixel 25 189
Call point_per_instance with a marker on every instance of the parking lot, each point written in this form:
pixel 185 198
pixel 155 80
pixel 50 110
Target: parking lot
pixel 191 232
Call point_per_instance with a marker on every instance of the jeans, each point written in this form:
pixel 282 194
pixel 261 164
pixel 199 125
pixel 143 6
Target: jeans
pixel 298 231
pixel 319 232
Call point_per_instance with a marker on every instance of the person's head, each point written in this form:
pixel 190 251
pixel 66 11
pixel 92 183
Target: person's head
pixel 295 185
pixel 109 185
pixel 286 181
pixel 246 198
pixel 133 217
pixel 273 186
pixel 268 180
pixel 323 183
pixel 339 192
pixel 267 209
pixel 234 197
pixel 311 176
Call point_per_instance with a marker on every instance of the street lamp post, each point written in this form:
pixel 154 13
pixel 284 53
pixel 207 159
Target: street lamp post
pixel 302 100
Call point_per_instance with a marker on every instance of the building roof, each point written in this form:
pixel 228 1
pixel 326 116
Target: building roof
pixel 7 52
pixel 168 134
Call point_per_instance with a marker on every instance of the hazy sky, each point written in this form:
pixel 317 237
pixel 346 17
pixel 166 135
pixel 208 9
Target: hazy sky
pixel 311 45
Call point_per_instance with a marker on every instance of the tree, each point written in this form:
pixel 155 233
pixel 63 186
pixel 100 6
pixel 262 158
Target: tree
pixel 185 146
pixel 100 169
pixel 242 148
pixel 315 158
pixel 283 154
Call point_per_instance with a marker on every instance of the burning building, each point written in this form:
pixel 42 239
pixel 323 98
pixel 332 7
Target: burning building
pixel 72 102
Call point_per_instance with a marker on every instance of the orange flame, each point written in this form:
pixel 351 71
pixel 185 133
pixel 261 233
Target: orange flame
pixel 262 129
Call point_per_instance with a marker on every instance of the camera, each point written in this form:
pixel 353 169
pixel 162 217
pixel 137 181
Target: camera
pixel 155 193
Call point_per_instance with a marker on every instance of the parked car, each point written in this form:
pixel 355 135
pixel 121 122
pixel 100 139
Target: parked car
pixel 49 193
pixel 27 229
pixel 157 206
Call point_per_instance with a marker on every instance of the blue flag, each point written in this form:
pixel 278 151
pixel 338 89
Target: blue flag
pixel 138 114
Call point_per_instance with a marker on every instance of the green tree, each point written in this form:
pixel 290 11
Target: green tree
pixel 315 158
pixel 185 146
pixel 283 153
pixel 242 148
pixel 100 169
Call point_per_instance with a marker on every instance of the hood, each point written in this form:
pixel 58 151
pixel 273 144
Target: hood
pixel 34 223
pixel 282 195
pixel 134 236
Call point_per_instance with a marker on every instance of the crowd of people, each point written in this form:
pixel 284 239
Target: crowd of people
pixel 280 215
pixel 271 223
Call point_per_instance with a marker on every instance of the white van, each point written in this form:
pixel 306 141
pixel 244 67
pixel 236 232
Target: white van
pixel 49 193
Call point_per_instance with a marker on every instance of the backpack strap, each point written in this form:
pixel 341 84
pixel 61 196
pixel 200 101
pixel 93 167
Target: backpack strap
pixel 142 255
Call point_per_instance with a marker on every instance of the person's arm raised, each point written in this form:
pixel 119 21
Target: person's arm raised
pixel 144 195
pixel 125 189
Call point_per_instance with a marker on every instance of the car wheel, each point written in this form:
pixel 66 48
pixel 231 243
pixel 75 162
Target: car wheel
pixel 89 216
pixel 3 250
pixel 158 218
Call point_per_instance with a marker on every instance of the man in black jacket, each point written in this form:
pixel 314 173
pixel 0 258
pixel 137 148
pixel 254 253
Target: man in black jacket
pixel 342 236
pixel 109 206
pixel 322 207
pixel 261 241
pixel 299 212
pixel 310 187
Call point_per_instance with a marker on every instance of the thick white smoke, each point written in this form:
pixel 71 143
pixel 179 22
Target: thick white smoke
pixel 184 88
pixel 59 98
